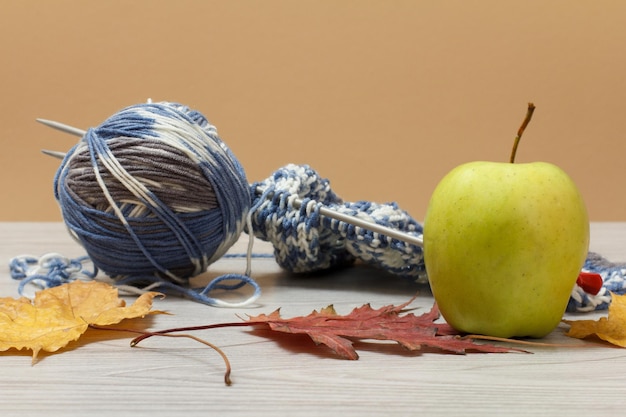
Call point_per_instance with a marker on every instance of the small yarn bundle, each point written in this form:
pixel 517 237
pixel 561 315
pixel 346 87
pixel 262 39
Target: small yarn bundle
pixel 154 196
pixel 613 281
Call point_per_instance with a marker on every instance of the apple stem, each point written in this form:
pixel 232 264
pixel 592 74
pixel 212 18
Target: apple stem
pixel 520 131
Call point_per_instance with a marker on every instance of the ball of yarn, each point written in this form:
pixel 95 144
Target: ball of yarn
pixel 153 191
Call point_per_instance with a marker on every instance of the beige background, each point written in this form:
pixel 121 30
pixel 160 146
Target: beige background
pixel 382 97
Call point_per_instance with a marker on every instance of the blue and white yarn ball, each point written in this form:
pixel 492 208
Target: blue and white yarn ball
pixel 153 191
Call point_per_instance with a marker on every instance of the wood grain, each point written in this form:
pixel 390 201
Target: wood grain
pixel 102 375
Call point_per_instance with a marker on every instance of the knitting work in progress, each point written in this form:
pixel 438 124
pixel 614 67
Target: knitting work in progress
pixel 305 241
pixel 155 197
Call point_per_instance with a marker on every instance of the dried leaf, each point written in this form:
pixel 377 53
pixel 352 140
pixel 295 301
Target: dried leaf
pixel 337 332
pixel 386 323
pixel 60 315
pixel 611 328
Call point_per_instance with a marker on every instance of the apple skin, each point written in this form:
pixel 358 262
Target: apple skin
pixel 503 246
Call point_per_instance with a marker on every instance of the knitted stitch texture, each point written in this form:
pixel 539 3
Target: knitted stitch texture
pixel 304 241
pixel 613 281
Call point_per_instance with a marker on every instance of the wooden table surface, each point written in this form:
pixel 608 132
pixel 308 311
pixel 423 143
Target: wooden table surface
pixel 100 375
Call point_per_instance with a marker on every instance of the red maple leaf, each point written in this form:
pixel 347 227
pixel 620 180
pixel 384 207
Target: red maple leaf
pixel 326 327
pixel 412 332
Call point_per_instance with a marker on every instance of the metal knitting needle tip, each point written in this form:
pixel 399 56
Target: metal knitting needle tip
pixel 54 154
pixel 324 211
pixel 368 225
pixel 62 127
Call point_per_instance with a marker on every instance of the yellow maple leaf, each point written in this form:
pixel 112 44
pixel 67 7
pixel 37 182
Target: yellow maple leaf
pixel 611 328
pixel 60 315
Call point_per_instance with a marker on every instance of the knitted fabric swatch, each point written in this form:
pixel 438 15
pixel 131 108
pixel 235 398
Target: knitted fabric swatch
pixel 613 281
pixel 304 241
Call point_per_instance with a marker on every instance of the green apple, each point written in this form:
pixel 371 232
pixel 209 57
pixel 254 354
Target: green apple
pixel 503 246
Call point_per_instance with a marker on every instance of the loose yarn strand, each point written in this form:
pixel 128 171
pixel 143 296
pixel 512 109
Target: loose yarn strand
pixel 50 270
pixel 250 248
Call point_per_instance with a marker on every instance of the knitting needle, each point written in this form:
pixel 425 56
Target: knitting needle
pixel 54 154
pixel 62 127
pixel 297 203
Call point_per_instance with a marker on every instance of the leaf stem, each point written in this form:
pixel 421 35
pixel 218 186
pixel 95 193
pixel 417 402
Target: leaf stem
pixel 516 341
pixel 520 131
pixel 166 333
pixel 227 373
pixel 145 335
pixel 115 329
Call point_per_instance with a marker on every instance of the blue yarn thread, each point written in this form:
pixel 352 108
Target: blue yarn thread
pixel 50 270
pixel 154 196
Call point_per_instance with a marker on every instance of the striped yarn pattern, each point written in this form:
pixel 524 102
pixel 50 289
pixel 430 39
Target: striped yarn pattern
pixel 153 195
